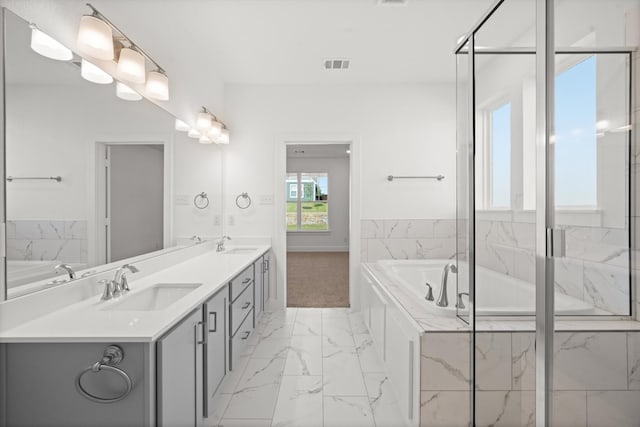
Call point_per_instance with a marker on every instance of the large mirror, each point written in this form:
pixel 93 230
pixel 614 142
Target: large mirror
pixel 93 179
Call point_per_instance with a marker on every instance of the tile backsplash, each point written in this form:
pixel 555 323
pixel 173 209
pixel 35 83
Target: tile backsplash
pixel 407 239
pixel 44 240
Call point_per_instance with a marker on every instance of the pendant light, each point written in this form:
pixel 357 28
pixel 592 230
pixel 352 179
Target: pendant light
pixel 157 86
pixel 48 47
pixel 131 66
pixel 205 140
pixel 193 133
pixel 182 126
pixel 224 137
pixel 95 38
pixel 90 72
pixel 125 92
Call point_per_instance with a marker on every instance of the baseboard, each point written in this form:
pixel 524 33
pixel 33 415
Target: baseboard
pixel 318 249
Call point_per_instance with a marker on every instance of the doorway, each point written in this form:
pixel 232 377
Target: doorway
pixel 132 212
pixel 317 198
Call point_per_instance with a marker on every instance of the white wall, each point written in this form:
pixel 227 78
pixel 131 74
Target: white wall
pixel 337 238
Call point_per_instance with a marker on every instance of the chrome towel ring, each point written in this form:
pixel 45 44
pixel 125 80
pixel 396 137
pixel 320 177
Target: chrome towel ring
pixel 113 355
pixel 201 201
pixel 243 201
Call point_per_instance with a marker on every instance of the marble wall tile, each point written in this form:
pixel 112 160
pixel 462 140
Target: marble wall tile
pixel 40 240
pixel 408 229
pixel 613 408
pixel 75 230
pixel 524 267
pixel 38 230
pixel 340 411
pixel 11 229
pixel 523 361
pixel 633 360
pixel 590 361
pixel 493 361
pixel 445 362
pixel 525 235
pixel 607 287
pixel 436 248
pixel 495 257
pixel 569 409
pixel 410 249
pixel 505 408
pixel 444 408
pixel 364 250
pixel 299 402
pixel 569 277
pixel 372 229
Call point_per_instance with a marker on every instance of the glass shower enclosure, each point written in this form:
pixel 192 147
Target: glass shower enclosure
pixel 546 211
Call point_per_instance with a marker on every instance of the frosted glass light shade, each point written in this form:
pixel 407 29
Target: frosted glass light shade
pixel 203 121
pixel 95 38
pixel 157 86
pixel 182 126
pixel 224 137
pixel 47 46
pixel 131 66
pixel 90 72
pixel 214 131
pixel 205 140
pixel 125 92
pixel 193 133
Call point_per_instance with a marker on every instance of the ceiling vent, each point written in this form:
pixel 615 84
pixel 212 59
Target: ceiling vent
pixel 392 2
pixel 336 64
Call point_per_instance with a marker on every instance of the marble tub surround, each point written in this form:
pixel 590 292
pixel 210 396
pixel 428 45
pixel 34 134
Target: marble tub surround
pixel 45 240
pixel 407 239
pixel 595 269
pixel 52 315
pixel 307 367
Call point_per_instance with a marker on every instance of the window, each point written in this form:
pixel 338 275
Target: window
pixel 500 140
pixel 307 201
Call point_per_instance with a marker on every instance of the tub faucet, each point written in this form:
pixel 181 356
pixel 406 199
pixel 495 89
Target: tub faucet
pixel 442 299
pixel 460 303
pixel 220 243
pixel 67 267
pixel 120 283
pixel 429 295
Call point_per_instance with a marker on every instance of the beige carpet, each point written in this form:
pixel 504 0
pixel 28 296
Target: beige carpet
pixel 318 279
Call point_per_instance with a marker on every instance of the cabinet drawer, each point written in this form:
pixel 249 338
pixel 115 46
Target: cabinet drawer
pixel 238 343
pixel 239 284
pixel 240 308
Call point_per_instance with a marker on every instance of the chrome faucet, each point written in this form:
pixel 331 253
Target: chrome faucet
pixel 67 267
pixel 460 303
pixel 429 295
pixel 109 286
pixel 220 243
pixel 196 238
pixel 442 299
pixel 120 283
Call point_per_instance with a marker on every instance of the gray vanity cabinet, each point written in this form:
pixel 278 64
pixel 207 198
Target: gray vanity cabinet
pixel 215 350
pixel 258 268
pixel 180 372
pixel 241 313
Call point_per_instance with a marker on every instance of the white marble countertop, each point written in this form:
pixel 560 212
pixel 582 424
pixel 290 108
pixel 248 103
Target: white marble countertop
pixel 430 321
pixel 87 321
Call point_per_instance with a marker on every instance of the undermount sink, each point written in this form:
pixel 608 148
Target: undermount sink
pixel 157 297
pixel 238 251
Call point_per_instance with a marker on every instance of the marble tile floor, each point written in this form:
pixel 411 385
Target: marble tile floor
pixel 310 367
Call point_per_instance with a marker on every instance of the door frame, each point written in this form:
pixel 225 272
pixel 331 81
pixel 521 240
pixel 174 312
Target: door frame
pixel 98 204
pixel 279 288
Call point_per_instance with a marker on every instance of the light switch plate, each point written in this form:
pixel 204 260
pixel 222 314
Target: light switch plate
pixel 266 199
pixel 182 200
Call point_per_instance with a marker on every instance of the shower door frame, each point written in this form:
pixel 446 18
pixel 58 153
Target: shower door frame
pixel 547 241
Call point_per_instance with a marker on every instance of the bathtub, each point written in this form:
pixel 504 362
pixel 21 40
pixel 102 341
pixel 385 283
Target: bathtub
pixel 496 294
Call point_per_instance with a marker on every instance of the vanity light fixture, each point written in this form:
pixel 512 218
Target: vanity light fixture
pixel 125 92
pixel 96 38
pixel 204 120
pixel 193 133
pixel 131 66
pixel 94 74
pixel 47 46
pixel 215 130
pixel 204 139
pixel 182 126
pixel 224 137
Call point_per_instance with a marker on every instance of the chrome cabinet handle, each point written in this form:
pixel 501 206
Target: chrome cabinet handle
pixel 246 335
pixel 203 335
pixel 247 280
pixel 246 305
pixel 215 321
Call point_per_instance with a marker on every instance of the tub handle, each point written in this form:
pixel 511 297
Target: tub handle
pixel 460 304
pixel 429 296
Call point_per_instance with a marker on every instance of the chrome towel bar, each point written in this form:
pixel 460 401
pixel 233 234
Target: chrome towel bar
pixel 392 177
pixel 52 178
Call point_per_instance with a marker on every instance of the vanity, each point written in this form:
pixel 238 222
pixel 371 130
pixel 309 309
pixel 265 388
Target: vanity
pixel 154 356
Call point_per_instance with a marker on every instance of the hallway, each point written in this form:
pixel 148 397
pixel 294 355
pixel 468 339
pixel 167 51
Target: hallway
pixel 318 279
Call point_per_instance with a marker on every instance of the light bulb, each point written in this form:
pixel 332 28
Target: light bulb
pixel 125 92
pixel 94 74
pixel 157 86
pixel 182 126
pixel 47 46
pixel 193 133
pixel 215 129
pixel 131 66
pixel 203 121
pixel 95 38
